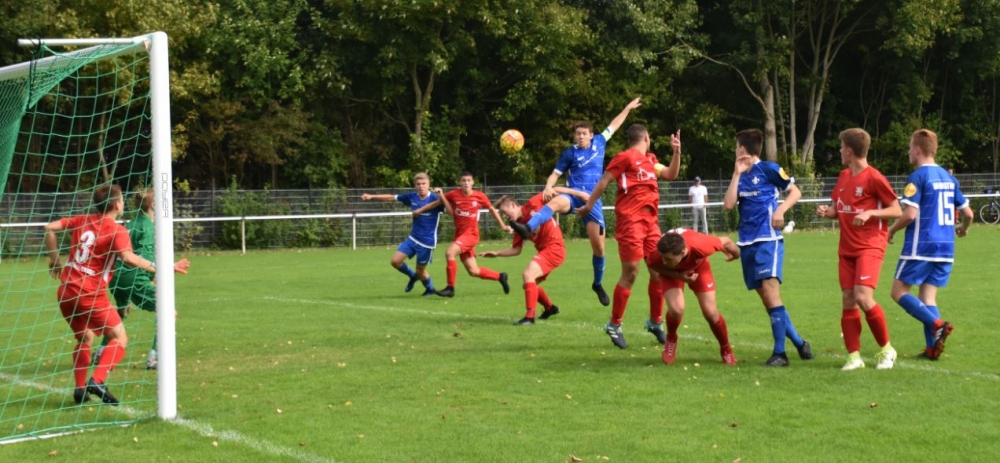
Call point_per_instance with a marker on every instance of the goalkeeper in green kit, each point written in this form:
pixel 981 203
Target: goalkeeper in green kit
pixel 131 287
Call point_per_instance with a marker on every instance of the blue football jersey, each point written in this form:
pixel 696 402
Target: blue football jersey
pixel 425 225
pixel 936 196
pixel 757 196
pixel 584 166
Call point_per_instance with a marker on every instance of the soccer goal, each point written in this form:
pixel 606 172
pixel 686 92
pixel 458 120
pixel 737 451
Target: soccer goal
pixel 80 114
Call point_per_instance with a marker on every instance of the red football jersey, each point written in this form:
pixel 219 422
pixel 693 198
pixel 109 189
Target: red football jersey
pixel 700 246
pixel 638 189
pixel 467 210
pixel 95 241
pixel 853 194
pixel 546 235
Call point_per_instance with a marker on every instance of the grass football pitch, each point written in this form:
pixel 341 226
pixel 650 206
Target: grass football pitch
pixel 319 355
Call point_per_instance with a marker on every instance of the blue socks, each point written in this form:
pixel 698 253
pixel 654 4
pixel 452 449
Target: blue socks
pixel 598 269
pixel 929 329
pixel 406 270
pixel 791 333
pixel 917 309
pixel 779 327
pixel 540 217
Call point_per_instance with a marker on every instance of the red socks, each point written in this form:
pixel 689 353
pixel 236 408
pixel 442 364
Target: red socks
pixel 81 364
pixel 619 303
pixel 113 353
pixel 876 322
pixel 487 274
pixel 850 325
pixel 656 300
pixel 531 291
pixel 451 269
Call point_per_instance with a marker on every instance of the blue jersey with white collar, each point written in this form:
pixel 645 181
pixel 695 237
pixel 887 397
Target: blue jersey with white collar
pixel 936 196
pixel 757 196
pixel 584 166
pixel 425 225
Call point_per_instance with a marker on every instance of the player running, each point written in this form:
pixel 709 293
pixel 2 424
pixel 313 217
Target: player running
pixel 583 164
pixel 681 258
pixel 931 195
pixel 863 202
pixel 95 240
pixel 637 227
pixel 464 204
pixel 423 233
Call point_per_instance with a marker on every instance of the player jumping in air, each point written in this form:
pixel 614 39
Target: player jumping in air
pixel 583 164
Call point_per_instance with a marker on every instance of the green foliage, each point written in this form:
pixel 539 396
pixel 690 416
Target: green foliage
pixel 184 232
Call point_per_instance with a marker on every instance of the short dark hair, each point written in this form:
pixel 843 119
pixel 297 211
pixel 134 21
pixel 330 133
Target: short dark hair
pixel 465 174
pixel 105 196
pixel 584 125
pixel 635 133
pixel 751 140
pixel 671 244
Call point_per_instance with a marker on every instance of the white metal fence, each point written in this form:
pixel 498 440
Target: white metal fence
pixel 264 219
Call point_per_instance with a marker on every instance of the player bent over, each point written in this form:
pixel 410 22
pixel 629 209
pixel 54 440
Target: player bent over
pixel 930 196
pixel 95 240
pixel 637 228
pixel 863 202
pixel 583 164
pixel 423 233
pixel 463 204
pixel 131 286
pixel 681 258
pixel 548 241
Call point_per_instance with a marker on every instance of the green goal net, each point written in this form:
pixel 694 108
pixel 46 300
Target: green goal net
pixel 70 121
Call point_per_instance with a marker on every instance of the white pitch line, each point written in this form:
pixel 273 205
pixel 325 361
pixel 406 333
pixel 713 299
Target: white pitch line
pixel 587 325
pixel 203 429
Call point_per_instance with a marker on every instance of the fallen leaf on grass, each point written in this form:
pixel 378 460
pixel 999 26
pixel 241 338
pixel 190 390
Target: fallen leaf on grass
pixel 215 443
pixel 53 453
pixel 569 397
pixel 302 444
pixel 873 405
pixel 135 439
pixel 575 458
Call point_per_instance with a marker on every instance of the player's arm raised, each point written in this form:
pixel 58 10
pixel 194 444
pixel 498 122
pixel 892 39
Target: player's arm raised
pixel 496 216
pixel 620 118
pixel 670 172
pixel 549 191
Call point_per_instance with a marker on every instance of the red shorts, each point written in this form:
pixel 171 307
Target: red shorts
pixel 860 270
pixel 92 311
pixel 467 245
pixel 550 258
pixel 703 284
pixel 637 236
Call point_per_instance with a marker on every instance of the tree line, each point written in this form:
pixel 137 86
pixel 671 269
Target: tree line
pixel 331 93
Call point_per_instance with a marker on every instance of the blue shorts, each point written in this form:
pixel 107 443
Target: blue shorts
pixel 411 249
pixel 762 260
pixel 596 214
pixel 918 272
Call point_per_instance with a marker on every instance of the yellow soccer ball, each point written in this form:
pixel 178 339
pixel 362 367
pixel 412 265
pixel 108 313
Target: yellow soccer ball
pixel 511 141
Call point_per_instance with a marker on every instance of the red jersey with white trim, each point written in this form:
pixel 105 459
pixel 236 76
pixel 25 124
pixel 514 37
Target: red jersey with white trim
pixel 467 210
pixel 700 246
pixel 638 190
pixel 547 235
pixel 95 241
pixel 854 194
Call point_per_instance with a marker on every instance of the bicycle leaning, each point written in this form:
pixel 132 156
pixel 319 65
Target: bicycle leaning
pixel 990 213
